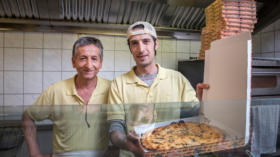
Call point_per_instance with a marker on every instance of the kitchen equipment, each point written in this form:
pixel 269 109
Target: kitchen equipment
pixel 265 77
pixel 11 138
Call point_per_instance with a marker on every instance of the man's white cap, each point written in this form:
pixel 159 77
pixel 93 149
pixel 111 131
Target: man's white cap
pixel 148 29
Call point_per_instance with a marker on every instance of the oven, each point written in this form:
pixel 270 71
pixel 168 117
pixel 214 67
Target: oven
pixel 265 105
pixel 265 77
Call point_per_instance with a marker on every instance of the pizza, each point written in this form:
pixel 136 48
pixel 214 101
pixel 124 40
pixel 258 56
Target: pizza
pixel 180 134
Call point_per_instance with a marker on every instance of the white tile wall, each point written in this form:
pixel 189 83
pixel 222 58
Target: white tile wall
pixel 67 60
pixel 13 100
pixel 122 61
pixel 169 60
pixel 13 59
pixel 68 40
pixel 13 39
pixel 1 82
pixel 266 42
pixel 121 44
pixel 168 45
pixel 256 54
pixel 52 40
pixel 182 56
pixel 195 46
pixel 277 25
pixel 268 54
pixel 256 43
pixel 183 46
pixel 33 59
pixel 158 58
pixel 194 55
pixel 89 35
pixel 160 45
pixel 50 78
pixel 33 82
pixel 67 75
pixel 108 61
pixel 132 61
pixel 33 40
pixel 277 40
pixel 1 39
pixel 277 54
pixel 106 75
pixel 29 99
pixel 268 28
pixel 52 59
pixel 108 42
pixel 13 82
pixel 1 107
pixel 1 59
pixel 1 102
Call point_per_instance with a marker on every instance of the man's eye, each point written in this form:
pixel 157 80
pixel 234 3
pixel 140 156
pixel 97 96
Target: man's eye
pixel 146 41
pixel 133 43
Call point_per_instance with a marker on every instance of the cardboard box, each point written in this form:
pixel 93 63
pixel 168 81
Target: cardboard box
pixel 226 105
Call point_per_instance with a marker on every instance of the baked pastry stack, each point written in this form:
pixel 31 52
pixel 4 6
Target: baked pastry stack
pixel 225 18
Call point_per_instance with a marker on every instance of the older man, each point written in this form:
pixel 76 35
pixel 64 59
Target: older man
pixel 145 83
pixel 78 126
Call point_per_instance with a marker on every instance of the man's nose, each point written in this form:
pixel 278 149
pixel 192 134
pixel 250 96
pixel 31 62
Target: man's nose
pixel 140 47
pixel 88 63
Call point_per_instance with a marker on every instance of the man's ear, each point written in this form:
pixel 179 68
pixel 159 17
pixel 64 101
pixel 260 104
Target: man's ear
pixel 73 62
pixel 156 44
pixel 101 61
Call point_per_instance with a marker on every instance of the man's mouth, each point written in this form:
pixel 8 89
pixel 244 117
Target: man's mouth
pixel 142 56
pixel 88 71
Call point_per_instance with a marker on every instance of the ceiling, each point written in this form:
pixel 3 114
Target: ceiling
pixel 176 18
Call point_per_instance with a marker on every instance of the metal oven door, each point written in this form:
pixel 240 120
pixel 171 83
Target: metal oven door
pixel 265 81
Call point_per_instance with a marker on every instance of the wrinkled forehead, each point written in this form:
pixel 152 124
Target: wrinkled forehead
pixel 91 50
pixel 140 37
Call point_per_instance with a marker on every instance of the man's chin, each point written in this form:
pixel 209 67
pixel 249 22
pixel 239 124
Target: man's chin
pixel 143 64
pixel 89 77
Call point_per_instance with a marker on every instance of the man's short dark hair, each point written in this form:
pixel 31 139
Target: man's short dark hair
pixel 84 41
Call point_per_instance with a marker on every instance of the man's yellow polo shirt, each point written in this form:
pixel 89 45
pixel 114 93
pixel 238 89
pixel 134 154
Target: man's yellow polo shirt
pixel 66 109
pixel 169 86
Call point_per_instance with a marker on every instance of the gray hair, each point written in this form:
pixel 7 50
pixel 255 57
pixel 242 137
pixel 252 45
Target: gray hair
pixel 84 41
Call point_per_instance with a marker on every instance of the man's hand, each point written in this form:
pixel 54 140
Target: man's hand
pixel 134 144
pixel 199 89
pixel 130 142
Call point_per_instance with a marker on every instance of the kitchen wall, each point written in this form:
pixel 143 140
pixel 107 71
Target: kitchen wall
pixel 266 43
pixel 31 61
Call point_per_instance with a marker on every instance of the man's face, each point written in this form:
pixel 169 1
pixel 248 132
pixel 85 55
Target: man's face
pixel 142 47
pixel 87 61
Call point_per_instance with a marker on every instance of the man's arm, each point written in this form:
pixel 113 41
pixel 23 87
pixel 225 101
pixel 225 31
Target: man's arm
pixel 130 142
pixel 199 89
pixel 30 135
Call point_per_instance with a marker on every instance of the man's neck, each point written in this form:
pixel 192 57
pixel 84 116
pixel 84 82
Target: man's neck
pixel 81 83
pixel 146 70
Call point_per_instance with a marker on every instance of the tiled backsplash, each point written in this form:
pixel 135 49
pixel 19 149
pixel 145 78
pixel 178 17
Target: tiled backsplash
pixel 31 61
pixel 266 43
